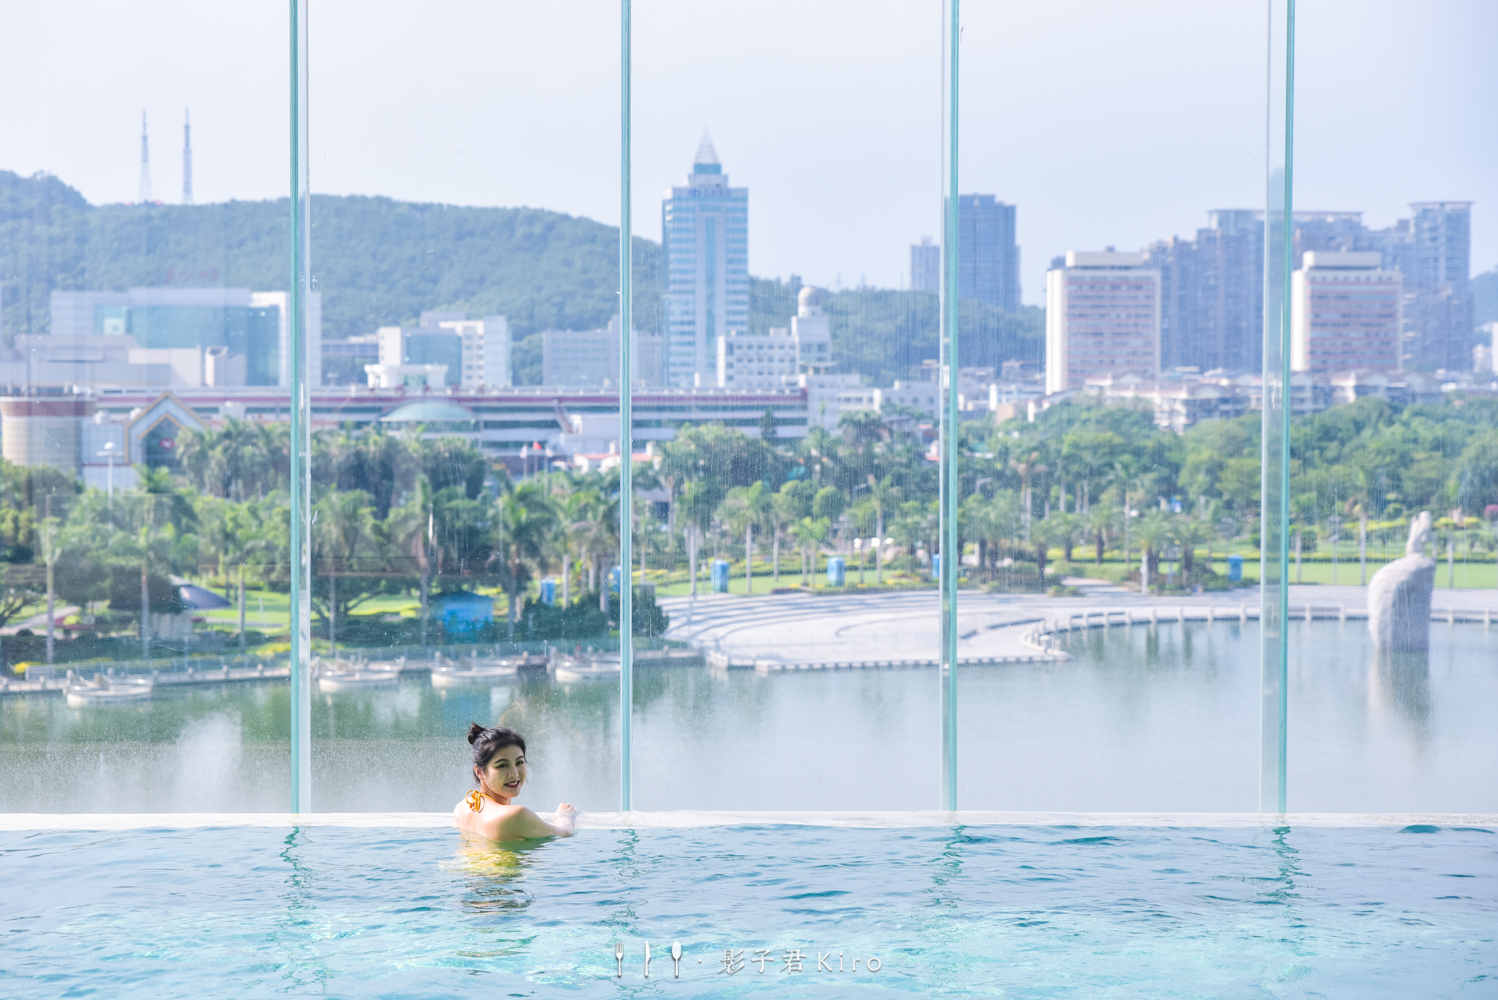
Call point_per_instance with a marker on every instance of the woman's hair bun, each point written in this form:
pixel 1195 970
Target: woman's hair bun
pixel 474 732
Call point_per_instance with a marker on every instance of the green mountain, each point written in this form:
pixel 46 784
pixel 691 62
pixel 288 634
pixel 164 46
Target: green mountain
pixel 380 262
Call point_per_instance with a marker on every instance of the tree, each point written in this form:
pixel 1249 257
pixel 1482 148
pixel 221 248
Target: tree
pixel 158 515
pixel 810 534
pixel 345 541
pixel 1154 532
pixel 699 501
pixel 525 519
pixel 790 504
pixel 884 497
pixel 1101 521
pixel 745 509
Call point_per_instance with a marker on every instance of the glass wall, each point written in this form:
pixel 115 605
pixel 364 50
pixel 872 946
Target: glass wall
pixel 986 415
pixel 785 407
pixel 144 303
pixel 1391 480
pixel 470 358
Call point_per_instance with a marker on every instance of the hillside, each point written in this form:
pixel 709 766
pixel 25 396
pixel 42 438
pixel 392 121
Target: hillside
pixel 380 262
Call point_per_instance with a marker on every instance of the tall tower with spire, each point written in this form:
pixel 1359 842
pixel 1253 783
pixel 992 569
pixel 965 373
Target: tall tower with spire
pixel 186 159
pixel 145 163
pixel 705 234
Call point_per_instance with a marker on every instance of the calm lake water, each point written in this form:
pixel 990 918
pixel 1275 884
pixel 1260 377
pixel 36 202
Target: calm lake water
pixel 1141 718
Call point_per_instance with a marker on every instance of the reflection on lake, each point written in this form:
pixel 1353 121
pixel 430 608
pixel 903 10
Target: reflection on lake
pixel 1142 718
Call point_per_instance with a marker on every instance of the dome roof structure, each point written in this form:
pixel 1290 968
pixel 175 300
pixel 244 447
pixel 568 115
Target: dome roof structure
pixel 429 411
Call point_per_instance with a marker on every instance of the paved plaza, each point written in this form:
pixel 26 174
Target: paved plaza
pixel 831 627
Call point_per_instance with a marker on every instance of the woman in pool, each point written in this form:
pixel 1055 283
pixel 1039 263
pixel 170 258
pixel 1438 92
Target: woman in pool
pixel 489 811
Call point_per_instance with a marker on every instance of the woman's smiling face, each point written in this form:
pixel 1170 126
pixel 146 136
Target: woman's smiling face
pixel 504 774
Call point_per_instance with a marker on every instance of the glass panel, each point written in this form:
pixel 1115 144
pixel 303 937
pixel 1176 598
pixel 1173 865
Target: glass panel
pixel 144 304
pixel 1389 516
pixel 1107 629
pixel 785 388
pixel 447 524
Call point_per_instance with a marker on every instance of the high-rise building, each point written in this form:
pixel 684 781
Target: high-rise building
pixel 987 253
pixel 1345 313
pixel 145 163
pixel 1102 318
pixel 925 266
pixel 1438 296
pixel 705 235
pixel 1212 294
pixel 186 159
pixel 1432 250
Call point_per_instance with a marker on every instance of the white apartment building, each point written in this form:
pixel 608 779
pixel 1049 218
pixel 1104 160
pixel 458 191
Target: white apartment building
pixel 472 354
pixel 1346 313
pixel 746 362
pixel 812 332
pixel 1102 317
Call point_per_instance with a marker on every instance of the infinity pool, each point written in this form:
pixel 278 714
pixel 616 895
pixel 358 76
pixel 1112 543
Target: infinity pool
pixel 1015 911
pixel 1143 718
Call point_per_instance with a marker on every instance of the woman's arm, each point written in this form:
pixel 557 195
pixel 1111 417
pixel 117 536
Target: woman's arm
pixel 523 824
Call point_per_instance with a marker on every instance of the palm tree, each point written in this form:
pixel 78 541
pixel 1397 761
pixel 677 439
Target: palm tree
pixel 1191 532
pixel 1027 470
pixel 1155 531
pixel 237 531
pixel 789 504
pixel 158 514
pixel 699 502
pixel 343 529
pixel 412 529
pixel 885 497
pixel 744 509
pixel 526 519
pixel 811 533
pixel 1101 521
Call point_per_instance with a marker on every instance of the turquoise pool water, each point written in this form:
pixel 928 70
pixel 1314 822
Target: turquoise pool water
pixel 1032 912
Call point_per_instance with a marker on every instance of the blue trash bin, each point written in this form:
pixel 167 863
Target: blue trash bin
pixel 936 566
pixel 720 576
pixel 837 571
pixel 1235 568
pixel 614 576
pixel 549 591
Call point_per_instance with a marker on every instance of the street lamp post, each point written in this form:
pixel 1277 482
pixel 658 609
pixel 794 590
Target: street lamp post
pixel 108 453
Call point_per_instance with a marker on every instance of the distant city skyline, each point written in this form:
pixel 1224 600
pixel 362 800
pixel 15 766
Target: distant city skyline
pixel 843 153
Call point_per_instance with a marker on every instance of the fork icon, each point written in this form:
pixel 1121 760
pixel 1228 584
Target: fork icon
pixel 619 957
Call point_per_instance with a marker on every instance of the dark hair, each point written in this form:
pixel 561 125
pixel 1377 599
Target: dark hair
pixel 488 742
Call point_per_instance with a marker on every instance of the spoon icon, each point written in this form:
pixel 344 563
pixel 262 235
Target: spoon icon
pixel 619 956
pixel 676 957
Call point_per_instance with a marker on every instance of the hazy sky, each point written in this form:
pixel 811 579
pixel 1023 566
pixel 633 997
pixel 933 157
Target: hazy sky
pixel 1106 123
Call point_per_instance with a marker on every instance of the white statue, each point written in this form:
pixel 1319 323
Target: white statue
pixel 1399 594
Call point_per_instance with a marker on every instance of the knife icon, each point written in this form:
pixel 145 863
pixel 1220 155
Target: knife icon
pixel 647 959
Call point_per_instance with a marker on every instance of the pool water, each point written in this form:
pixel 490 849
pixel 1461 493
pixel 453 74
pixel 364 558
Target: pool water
pixel 1014 911
pixel 1138 719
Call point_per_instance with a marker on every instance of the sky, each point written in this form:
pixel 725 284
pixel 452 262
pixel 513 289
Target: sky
pixel 1106 124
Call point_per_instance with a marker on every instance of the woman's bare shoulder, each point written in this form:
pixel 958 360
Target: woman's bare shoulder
pixel 514 822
